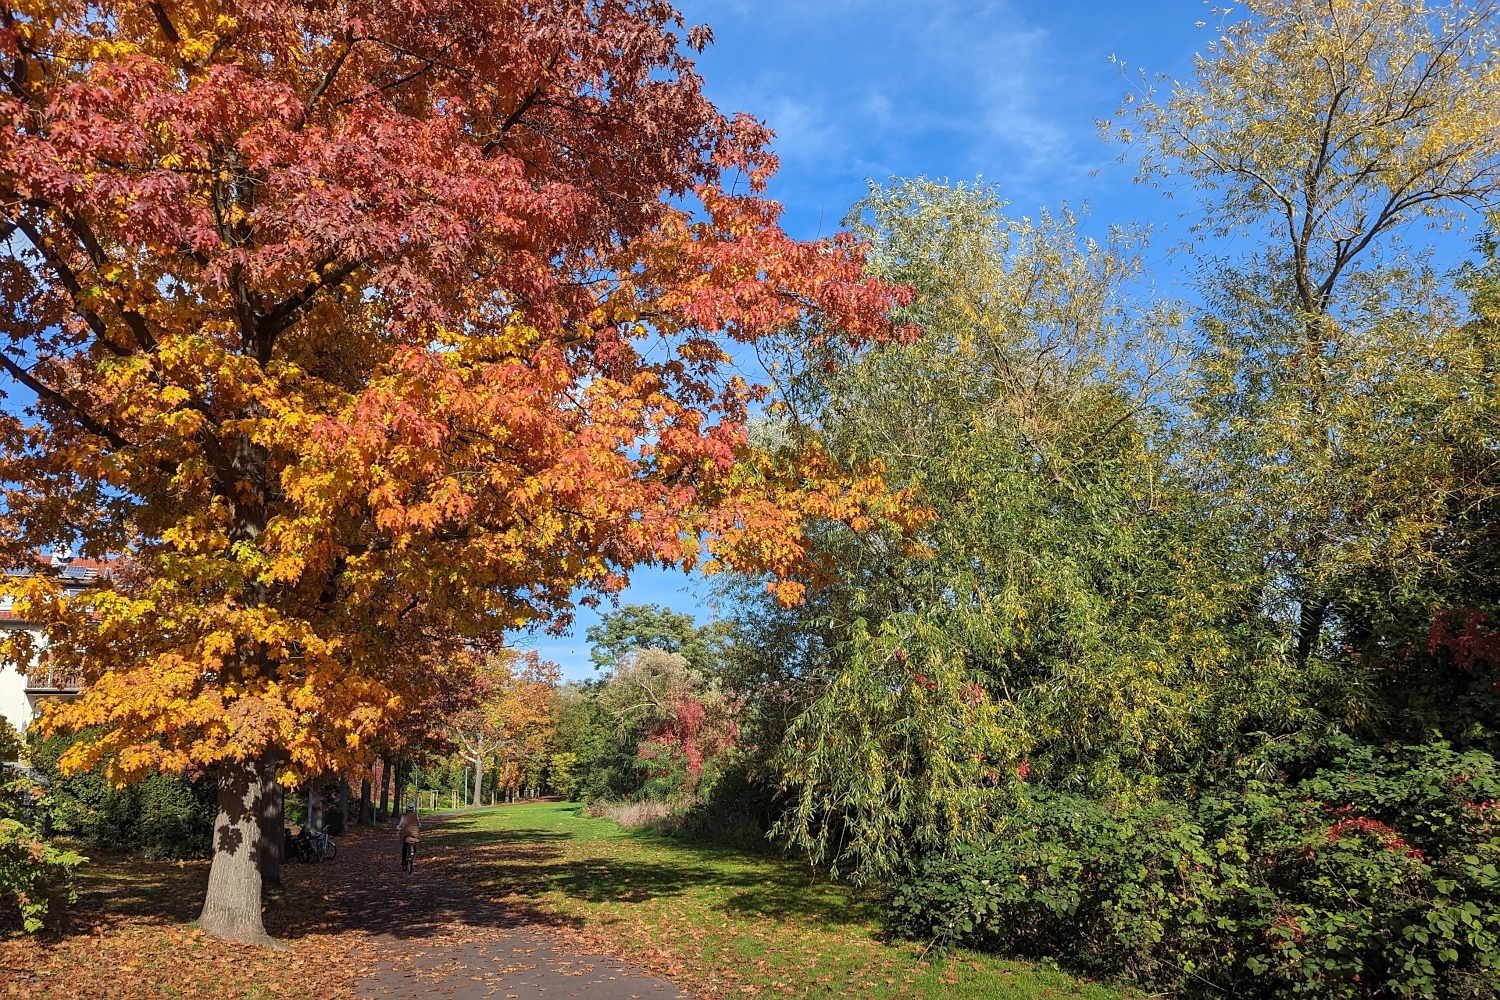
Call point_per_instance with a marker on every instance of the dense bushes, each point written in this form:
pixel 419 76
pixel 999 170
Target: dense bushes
pixel 1353 872
pixel 34 875
pixel 164 817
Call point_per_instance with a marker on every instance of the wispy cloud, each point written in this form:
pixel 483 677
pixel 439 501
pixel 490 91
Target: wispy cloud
pixel 873 87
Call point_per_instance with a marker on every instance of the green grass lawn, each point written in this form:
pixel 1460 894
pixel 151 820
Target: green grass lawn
pixel 717 920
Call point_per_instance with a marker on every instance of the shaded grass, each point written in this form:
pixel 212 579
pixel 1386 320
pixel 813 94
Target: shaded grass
pixel 717 920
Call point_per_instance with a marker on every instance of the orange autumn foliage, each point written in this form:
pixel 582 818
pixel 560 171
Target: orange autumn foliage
pixel 365 331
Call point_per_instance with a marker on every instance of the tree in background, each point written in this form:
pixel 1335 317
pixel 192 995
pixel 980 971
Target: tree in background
pixel 1063 615
pixel 509 722
pixel 1329 127
pixel 659 724
pixel 324 316
pixel 687 720
pixel 650 626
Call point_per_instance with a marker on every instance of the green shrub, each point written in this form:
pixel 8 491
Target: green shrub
pixel 34 875
pixel 1372 872
pixel 164 817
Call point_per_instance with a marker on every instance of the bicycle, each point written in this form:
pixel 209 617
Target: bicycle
pixel 409 856
pixel 323 848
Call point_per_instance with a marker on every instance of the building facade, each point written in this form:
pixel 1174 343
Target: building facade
pixel 23 687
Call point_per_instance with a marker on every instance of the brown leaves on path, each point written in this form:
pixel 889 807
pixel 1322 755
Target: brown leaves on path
pixel 357 926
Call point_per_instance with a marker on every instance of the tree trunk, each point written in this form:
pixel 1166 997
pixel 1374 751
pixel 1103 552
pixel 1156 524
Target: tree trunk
pixel 270 820
pixel 400 784
pixel 231 910
pixel 385 790
pixel 315 804
pixel 343 806
pixel 478 782
pixel 364 803
pixel 1310 627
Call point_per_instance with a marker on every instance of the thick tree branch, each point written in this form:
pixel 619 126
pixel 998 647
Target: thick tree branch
pixel 329 77
pixel 167 28
pixel 289 311
pixel 70 283
pixel 510 122
pixel 44 391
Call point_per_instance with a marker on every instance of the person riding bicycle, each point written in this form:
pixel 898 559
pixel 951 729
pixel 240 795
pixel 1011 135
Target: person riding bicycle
pixel 407 832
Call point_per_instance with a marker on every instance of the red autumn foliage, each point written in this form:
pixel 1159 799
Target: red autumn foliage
pixel 1388 838
pixel 691 736
pixel 1462 632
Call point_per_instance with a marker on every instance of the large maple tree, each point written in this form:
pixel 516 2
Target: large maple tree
pixel 364 331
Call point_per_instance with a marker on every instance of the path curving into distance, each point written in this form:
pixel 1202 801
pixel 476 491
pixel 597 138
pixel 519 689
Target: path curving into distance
pixel 433 937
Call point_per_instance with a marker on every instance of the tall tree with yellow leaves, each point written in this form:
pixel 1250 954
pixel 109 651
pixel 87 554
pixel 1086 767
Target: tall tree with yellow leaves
pixel 327 318
pixel 1328 126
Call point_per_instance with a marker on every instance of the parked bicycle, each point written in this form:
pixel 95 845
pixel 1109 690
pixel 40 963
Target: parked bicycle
pixel 307 846
pixel 323 847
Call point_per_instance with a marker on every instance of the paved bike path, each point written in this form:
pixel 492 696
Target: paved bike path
pixel 434 937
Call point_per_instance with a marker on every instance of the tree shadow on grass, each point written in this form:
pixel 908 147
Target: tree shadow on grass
pixel 524 865
pixel 111 888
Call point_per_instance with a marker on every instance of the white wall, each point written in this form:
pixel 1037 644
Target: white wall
pixel 14 704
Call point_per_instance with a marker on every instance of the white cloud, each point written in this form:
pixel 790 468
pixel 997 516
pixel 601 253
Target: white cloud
pixel 873 85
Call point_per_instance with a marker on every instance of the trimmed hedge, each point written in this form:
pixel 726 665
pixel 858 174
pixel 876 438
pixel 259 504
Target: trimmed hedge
pixel 1375 873
pixel 164 817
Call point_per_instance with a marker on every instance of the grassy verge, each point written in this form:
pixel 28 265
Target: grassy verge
pixel 716 920
pixel 132 935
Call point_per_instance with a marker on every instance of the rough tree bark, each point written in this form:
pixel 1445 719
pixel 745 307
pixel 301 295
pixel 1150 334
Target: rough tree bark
pixel 315 804
pixel 270 820
pixel 343 805
pixel 364 803
pixel 232 908
pixel 400 784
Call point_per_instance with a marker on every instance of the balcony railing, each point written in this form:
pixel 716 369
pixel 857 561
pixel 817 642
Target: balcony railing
pixel 50 679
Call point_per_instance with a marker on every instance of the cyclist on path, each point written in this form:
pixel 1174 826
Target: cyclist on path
pixel 407 832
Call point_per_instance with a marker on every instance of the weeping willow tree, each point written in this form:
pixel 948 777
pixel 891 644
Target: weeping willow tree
pixel 1070 614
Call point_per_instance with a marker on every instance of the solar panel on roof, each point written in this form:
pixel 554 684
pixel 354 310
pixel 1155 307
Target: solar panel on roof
pixel 78 572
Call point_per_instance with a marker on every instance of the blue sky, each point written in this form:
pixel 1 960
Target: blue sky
pixel 869 88
pixel 860 89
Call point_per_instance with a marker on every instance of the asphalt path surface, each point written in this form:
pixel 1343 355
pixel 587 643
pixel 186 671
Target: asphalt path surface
pixel 433 937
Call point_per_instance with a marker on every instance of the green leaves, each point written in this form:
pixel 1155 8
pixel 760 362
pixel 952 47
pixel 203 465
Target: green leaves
pixel 1358 877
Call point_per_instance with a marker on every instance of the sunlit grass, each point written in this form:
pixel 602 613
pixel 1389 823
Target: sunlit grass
pixel 715 919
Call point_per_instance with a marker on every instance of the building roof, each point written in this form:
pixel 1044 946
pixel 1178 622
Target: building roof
pixel 76 573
